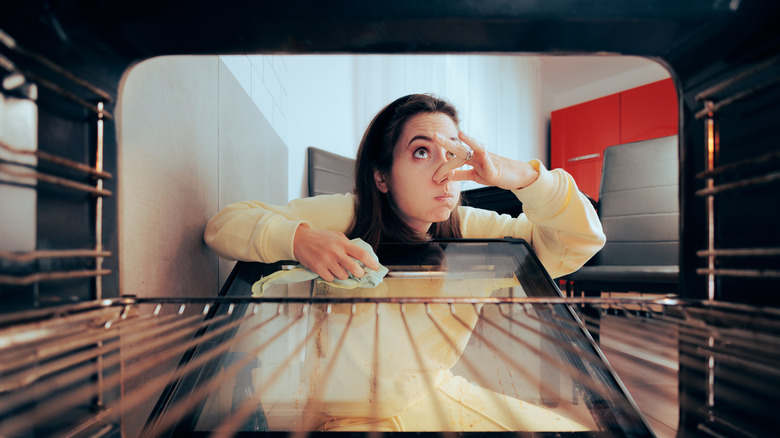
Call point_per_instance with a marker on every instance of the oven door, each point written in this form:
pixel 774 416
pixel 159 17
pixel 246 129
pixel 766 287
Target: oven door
pixel 461 336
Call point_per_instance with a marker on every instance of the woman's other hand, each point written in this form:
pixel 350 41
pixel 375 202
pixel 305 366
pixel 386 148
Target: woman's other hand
pixel 486 168
pixel 330 254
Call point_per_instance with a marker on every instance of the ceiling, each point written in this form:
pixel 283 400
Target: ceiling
pixel 565 73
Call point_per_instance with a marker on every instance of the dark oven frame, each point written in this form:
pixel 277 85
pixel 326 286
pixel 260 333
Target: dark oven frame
pixel 722 55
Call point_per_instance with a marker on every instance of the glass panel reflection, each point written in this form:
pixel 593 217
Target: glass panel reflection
pixel 460 336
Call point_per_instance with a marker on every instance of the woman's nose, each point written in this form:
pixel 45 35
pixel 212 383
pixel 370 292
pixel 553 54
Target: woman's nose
pixel 442 174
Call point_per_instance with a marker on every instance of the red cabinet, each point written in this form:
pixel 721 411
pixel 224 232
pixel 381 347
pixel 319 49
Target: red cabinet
pixel 580 133
pixel 648 112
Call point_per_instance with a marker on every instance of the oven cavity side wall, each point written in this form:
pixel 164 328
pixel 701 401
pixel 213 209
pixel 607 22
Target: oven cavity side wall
pixel 191 142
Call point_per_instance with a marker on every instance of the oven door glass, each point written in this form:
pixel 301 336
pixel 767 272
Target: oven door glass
pixel 461 336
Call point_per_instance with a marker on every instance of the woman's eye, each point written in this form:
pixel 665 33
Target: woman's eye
pixel 450 155
pixel 421 153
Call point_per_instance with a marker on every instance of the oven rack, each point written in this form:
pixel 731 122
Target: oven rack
pixel 52 357
pixel 737 110
pixel 45 165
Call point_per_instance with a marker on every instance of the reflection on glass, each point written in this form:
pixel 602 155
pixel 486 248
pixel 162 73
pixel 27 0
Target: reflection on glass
pixel 452 340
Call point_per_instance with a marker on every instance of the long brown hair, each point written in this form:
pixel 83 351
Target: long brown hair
pixel 376 217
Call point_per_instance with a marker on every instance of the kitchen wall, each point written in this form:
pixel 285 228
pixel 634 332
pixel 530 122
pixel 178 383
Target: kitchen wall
pixel 327 101
pixel 570 80
pixel 505 101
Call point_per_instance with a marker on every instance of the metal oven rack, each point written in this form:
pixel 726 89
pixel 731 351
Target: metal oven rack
pixel 741 178
pixel 53 182
pixel 732 244
pixel 50 358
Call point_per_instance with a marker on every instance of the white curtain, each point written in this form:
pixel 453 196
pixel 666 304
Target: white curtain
pixel 498 97
pixel 330 99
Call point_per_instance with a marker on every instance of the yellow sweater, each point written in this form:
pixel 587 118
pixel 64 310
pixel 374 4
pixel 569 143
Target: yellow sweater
pixel 558 222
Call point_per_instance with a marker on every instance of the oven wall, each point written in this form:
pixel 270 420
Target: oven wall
pixel 191 141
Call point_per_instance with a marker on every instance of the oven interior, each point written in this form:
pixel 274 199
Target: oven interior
pixel 63 65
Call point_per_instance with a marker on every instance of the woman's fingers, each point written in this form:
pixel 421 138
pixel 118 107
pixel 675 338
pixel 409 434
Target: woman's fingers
pixel 480 151
pixel 336 266
pixel 329 254
pixel 448 167
pixel 345 263
pixel 457 147
pixel 367 258
pixel 463 153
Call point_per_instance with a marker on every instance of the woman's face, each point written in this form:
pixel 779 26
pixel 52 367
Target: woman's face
pixel 420 200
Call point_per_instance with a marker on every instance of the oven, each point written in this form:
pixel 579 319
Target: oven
pixel 77 350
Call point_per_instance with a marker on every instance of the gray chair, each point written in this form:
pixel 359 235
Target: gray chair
pixel 639 210
pixel 329 173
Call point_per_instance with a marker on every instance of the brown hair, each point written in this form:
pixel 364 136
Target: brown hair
pixel 376 217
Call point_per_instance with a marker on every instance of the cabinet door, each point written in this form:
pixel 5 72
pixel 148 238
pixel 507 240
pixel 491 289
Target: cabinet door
pixel 649 111
pixel 578 136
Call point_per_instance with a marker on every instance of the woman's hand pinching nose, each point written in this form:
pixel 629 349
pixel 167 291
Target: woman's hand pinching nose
pixel 462 152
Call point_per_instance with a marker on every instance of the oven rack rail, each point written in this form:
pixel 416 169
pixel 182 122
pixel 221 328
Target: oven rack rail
pixel 746 89
pixel 60 352
pixel 27 166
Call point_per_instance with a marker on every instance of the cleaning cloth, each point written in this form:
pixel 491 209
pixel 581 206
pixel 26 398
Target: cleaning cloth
pixel 300 273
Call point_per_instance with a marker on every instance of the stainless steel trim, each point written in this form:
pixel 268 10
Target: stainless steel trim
pixel 51 254
pixel 740 252
pixel 709 92
pixel 712 139
pixel 583 157
pixel 747 273
pixel 57 160
pixel 63 92
pixel 11 43
pixel 744 165
pixel 55 180
pixel 741 184
pixel 715 107
pixel 38 277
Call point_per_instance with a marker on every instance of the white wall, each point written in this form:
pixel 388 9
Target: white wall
pixel 505 101
pixel 498 97
pixel 328 100
pixel 611 84
pixel 570 80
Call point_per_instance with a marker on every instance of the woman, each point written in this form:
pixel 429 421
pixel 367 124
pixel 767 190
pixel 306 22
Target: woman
pixel 407 189
pixel 399 196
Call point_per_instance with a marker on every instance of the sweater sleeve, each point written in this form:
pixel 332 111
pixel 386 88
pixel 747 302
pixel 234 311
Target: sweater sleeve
pixel 256 231
pixel 557 221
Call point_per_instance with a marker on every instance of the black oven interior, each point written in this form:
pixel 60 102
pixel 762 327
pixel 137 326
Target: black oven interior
pixel 69 59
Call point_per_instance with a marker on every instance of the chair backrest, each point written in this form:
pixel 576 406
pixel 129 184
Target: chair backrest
pixel 329 173
pixel 639 203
